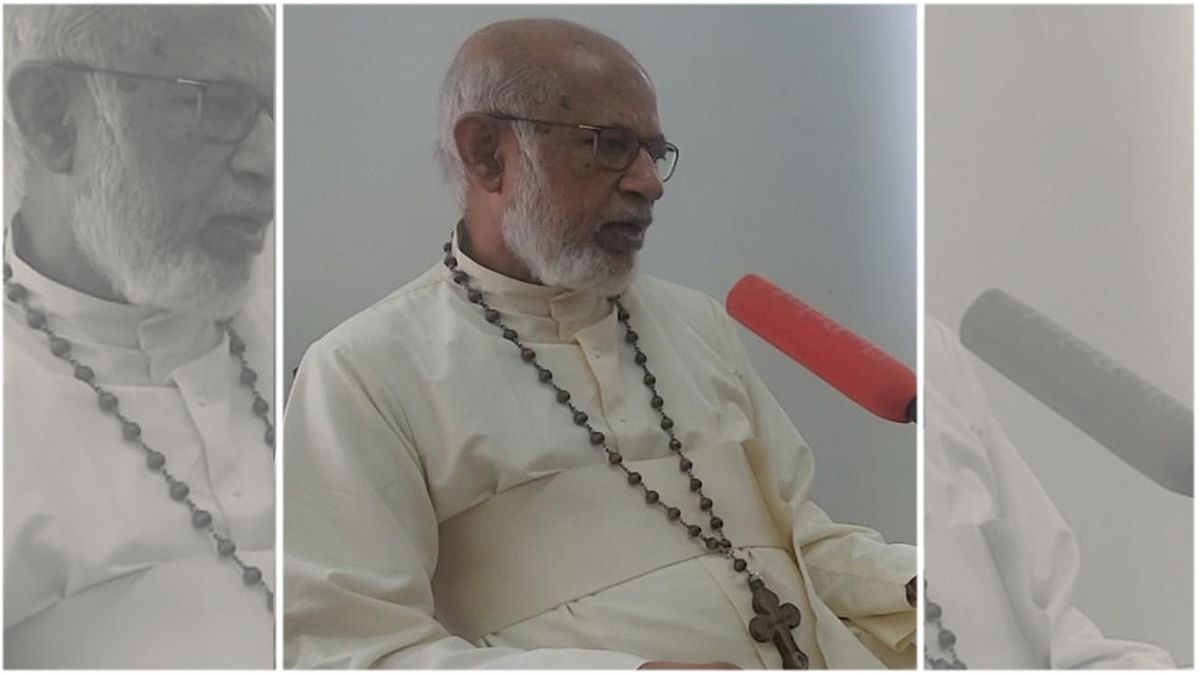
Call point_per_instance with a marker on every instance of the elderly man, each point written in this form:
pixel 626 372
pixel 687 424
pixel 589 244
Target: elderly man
pixel 532 456
pixel 138 465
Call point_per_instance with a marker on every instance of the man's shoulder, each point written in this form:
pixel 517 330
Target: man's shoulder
pixel 680 303
pixel 388 321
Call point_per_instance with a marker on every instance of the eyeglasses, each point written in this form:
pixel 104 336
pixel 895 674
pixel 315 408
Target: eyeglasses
pixel 225 111
pixel 615 148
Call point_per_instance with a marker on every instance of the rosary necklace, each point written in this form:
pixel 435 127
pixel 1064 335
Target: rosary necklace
pixel 946 640
pixel 773 621
pixel 156 461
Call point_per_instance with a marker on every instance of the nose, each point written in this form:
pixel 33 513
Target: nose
pixel 253 159
pixel 641 178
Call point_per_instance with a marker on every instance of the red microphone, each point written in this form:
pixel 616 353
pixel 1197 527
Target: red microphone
pixel 860 370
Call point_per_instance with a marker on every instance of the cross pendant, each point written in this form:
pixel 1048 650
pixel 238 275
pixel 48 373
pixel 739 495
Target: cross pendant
pixel 773 622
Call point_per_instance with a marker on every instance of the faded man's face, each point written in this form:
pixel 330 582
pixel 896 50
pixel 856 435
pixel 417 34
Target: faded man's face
pixel 175 218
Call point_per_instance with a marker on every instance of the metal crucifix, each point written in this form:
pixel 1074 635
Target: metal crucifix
pixel 773 622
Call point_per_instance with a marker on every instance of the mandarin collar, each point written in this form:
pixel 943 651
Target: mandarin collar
pixel 168 339
pixel 570 311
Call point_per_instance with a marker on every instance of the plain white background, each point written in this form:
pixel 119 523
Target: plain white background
pixel 1059 169
pixel 797 134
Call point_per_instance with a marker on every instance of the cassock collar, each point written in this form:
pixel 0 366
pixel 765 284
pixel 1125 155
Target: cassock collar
pixel 164 339
pixel 545 308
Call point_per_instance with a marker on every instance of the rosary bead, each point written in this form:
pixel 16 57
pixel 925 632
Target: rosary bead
pixel 672 513
pixel 460 277
pixel 656 402
pixel 622 314
pixel 59 347
pixel 649 380
pixel 716 523
pixel 226 547
pixel 634 478
pixel 260 406
pixel 236 345
pixel 84 373
pixel 651 497
pixel 739 564
pixel 269 437
pixel 35 319
pixel 252 575
pixel 107 400
pixel 545 375
pixel 933 611
pixel 667 423
pixel 562 395
pixel 447 247
pixel 596 438
pixel 685 464
pixel 706 504
pixel 711 543
pixel 725 543
pixel 510 334
pixel 491 315
pixel 695 484
pixel 527 354
pixel 474 295
pixel 675 444
pixel 631 336
pixel 450 261
pixel 17 292
pixel 130 430
pixel 155 460
pixel 946 638
pixel 639 357
pixel 694 530
pixel 7 271
pixel 581 418
pixel 201 519
pixel 248 377
pixel 615 458
pixel 179 491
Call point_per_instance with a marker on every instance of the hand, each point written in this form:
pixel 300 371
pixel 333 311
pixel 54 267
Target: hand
pixel 680 665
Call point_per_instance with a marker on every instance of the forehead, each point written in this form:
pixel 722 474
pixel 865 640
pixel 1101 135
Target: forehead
pixel 210 42
pixel 608 89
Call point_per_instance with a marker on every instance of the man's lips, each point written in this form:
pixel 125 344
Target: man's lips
pixel 622 236
pixel 235 235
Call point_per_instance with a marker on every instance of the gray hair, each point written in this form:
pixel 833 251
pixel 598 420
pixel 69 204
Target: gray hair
pixel 86 34
pixel 516 83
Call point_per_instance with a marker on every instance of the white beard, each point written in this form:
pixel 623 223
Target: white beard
pixel 148 257
pixel 538 234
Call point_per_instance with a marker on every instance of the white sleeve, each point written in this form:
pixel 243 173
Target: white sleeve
pixel 361 536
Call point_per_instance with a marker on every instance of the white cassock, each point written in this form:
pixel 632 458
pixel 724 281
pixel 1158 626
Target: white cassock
pixel 443 511
pixel 102 569
pixel 999 558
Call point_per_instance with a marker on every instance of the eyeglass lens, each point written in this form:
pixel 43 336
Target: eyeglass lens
pixel 228 110
pixel 616 149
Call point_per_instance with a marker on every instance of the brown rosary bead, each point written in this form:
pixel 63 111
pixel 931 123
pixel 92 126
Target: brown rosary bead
pixel 179 491
pixel 237 347
pixel 474 296
pixel 651 497
pixel 562 396
pixel 460 278
pixel 639 357
pixel 716 523
pixel 725 543
pixel 450 261
pixel 226 547
pixel 694 530
pixel 711 543
pixel 35 319
pixel 201 519
pixel 668 423
pixel 84 374
pixel 739 564
pixel 447 247
pixel 7 271
pixel 17 292
pixel 130 430
pixel 155 460
pixel 631 336
pixel 491 315
pixel 596 438
pixel 615 458
pixel 510 334
pixel 544 375
pixel 656 402
pixel 675 444
pixel 107 401
pixel 260 406
pixel 252 575
pixel 695 484
pixel 622 314
pixel 580 418
pixel 634 478
pixel 269 437
pixel 685 464
pixel 673 513
pixel 706 504
pixel 527 354
pixel 59 347
pixel 248 377
pixel 649 380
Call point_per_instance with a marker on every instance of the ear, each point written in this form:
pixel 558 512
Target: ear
pixel 40 97
pixel 477 138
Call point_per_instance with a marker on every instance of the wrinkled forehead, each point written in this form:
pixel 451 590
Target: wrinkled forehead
pixel 208 42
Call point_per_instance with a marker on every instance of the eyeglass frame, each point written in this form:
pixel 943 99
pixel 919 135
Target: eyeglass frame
pixel 198 83
pixel 596 129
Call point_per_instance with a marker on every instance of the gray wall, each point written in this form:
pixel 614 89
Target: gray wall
pixel 797 134
pixel 1059 168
